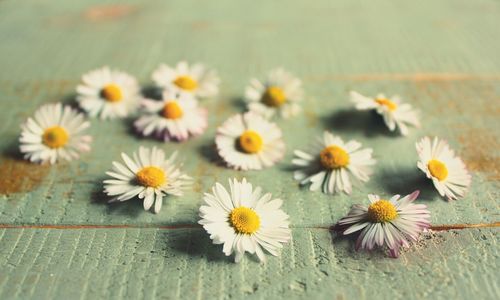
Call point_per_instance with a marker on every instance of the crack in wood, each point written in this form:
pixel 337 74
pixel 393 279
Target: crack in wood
pixel 443 227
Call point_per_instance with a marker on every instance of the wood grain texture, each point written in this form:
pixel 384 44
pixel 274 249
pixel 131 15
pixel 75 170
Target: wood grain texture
pixel 442 56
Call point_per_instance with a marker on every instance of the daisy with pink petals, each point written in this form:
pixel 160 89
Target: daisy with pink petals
pixel 390 223
pixel 178 117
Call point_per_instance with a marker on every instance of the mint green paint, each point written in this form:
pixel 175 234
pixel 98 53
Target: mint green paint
pixel 369 46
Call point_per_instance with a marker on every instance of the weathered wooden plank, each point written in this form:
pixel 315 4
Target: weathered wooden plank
pixel 148 263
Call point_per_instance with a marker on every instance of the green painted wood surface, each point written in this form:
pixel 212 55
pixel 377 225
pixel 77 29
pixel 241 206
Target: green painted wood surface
pixel 440 55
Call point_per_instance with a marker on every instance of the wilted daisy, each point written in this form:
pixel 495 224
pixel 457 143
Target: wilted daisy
pixel 177 117
pixel 447 171
pixel 244 220
pixel 330 163
pixel 395 113
pixel 280 93
pixel 54 133
pixel 108 93
pixel 391 223
pixel 195 79
pixel 249 142
pixel 147 175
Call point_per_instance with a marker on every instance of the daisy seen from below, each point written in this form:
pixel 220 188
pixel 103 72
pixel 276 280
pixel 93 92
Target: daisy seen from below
pixel 447 171
pixel 279 94
pixel 390 223
pixel 148 175
pixel 178 117
pixel 396 115
pixel 249 142
pixel 330 164
pixel 55 132
pixel 195 79
pixel 244 220
pixel 108 93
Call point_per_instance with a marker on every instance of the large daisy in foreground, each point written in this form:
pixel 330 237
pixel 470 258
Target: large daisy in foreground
pixel 195 79
pixel 447 171
pixel 108 93
pixel 249 142
pixel 396 115
pixel 147 175
pixel 244 220
pixel 330 163
pixel 55 132
pixel 390 223
pixel 178 117
pixel 279 94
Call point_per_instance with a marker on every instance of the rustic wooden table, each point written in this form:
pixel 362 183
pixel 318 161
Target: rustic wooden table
pixel 60 240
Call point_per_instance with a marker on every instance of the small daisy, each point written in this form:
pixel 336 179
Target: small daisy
pixel 54 133
pixel 108 93
pixel 279 93
pixel 249 142
pixel 244 220
pixel 147 175
pixel 331 162
pixel 392 223
pixel 196 80
pixel 396 114
pixel 447 171
pixel 177 117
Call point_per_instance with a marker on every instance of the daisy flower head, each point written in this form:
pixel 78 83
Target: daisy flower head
pixel 279 94
pixel 244 220
pixel 55 132
pixel 331 163
pixel 390 223
pixel 249 142
pixel 195 79
pixel 447 171
pixel 108 93
pixel 148 175
pixel 396 115
pixel 178 117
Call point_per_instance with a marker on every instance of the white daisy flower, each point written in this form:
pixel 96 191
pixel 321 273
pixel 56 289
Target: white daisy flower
pixel 177 117
pixel 195 79
pixel 447 171
pixel 249 142
pixel 392 223
pixel 147 175
pixel 244 220
pixel 54 133
pixel 395 113
pixel 280 93
pixel 108 93
pixel 330 163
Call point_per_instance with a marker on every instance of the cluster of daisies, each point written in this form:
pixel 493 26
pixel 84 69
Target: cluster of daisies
pixel 242 217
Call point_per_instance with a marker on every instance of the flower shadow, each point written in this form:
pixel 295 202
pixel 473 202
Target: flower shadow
pixel 152 92
pixel 405 181
pixel 351 120
pixel 209 153
pixel 132 207
pixel 194 242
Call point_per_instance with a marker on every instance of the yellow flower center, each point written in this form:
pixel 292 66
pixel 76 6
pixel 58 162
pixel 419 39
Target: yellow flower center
pixel 186 82
pixel 244 220
pixel 382 211
pixel 172 110
pixel 112 93
pixel 55 137
pixel 274 96
pixel 387 103
pixel 250 142
pixel 334 157
pixel 437 169
pixel 151 177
